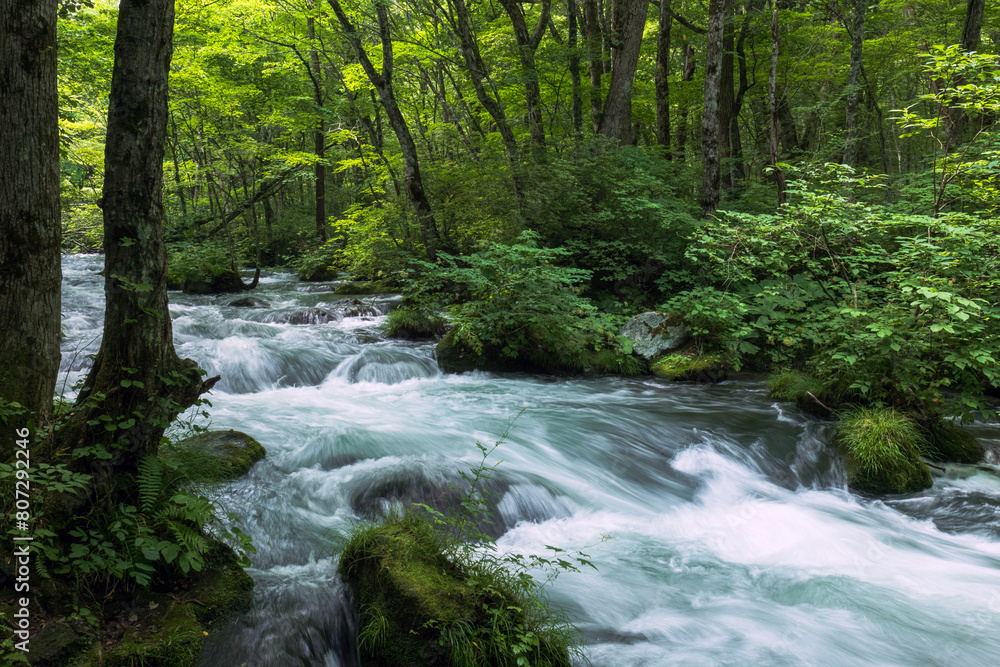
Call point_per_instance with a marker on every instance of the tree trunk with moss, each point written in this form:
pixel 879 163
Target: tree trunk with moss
pixel 30 228
pixel 137 383
pixel 628 23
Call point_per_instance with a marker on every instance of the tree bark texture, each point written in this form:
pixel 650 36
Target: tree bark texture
pixel 382 81
pixel 319 136
pixel 30 227
pixel 710 175
pixel 136 375
pixel 662 79
pixel 854 83
pixel 682 125
pixel 628 23
pixel 727 97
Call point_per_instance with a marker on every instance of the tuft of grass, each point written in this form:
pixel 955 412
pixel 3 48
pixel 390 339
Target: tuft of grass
pixel 412 323
pixel 791 385
pixel 882 449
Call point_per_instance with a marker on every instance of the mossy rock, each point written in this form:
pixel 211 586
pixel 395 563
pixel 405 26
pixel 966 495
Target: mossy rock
pixel 413 324
pixel 807 392
pixel 360 287
pixel 169 630
pixel 248 302
pixel 217 455
pixel 952 443
pixel 416 607
pixel 881 450
pixel 688 365
pixel 223 282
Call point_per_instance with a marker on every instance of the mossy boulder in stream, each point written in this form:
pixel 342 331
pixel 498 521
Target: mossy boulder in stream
pixel 217 455
pixel 413 323
pixel 689 365
pixel 418 607
pixel 881 449
pixel 952 443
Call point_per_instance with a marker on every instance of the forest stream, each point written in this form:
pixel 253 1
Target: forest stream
pixel 719 521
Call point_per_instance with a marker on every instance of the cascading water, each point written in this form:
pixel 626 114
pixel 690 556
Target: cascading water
pixel 733 540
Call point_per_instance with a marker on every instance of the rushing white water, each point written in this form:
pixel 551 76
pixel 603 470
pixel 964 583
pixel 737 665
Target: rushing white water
pixel 733 540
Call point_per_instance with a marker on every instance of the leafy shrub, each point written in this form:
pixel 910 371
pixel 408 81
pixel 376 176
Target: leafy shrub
pixel 520 306
pixel 884 308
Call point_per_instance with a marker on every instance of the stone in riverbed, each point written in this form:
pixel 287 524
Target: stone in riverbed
pixel 248 302
pixel 654 334
pixel 221 455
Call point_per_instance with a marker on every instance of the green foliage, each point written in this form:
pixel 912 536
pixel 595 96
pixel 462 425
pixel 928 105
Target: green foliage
pixel 891 309
pixel 197 262
pixel 882 449
pixel 519 306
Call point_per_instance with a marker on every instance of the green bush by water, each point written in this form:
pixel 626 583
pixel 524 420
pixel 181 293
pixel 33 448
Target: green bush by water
pixel 882 448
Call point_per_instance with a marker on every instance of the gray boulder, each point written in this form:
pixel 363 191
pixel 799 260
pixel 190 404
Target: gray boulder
pixel 655 333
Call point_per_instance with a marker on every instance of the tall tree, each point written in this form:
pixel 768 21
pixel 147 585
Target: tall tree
pixel 772 98
pixel 30 225
pixel 382 81
pixel 574 67
pixel 854 83
pixel 710 175
pixel 662 78
pixel 687 74
pixel 628 21
pixel 137 377
pixel 527 43
pixel 319 135
pixel 592 43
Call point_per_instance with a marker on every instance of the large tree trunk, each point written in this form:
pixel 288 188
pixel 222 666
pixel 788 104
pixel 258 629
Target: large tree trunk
pixel 854 84
pixel 382 81
pixel 30 226
pixel 628 22
pixel 971 34
pixel 710 176
pixel 527 43
pixel 137 378
pixel 662 80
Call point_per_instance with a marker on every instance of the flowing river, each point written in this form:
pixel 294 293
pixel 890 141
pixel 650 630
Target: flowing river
pixel 719 520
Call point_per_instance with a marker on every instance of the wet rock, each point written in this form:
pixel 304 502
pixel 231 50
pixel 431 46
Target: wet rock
pixel 53 644
pixel 949 442
pixel 216 455
pixel 248 302
pixel 311 316
pixel 654 334
pixel 208 283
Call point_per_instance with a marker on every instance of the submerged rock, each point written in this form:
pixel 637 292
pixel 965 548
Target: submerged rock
pixel 248 302
pixel 216 455
pixel 654 334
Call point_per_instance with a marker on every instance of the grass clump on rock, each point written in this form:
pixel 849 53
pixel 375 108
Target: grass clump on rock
pixel 431 590
pixel 413 324
pixel 882 448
